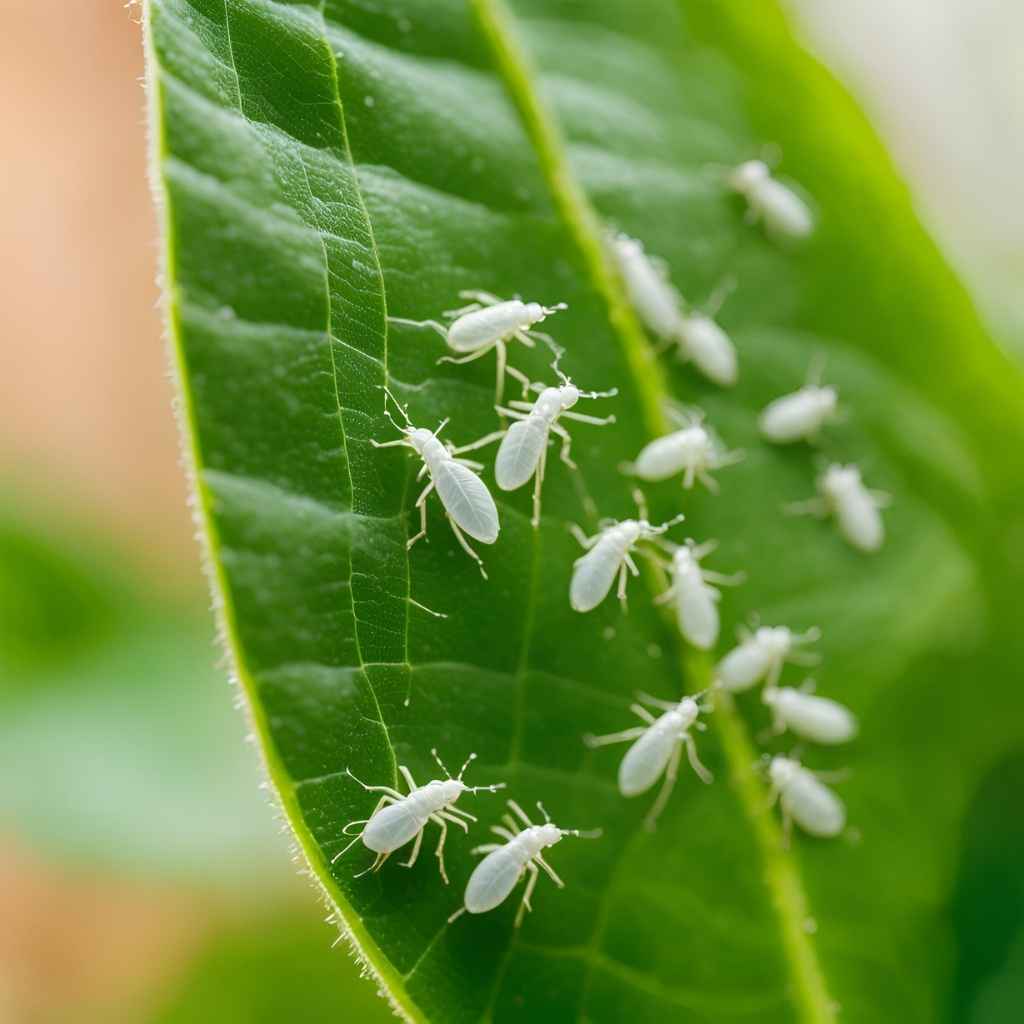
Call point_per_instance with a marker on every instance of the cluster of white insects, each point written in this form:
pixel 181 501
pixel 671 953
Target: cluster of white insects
pixel 691 451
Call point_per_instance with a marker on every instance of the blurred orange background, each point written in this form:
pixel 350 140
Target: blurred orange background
pixel 87 431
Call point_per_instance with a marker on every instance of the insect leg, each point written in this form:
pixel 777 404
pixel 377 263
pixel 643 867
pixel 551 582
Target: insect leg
pixel 451 817
pixel 407 775
pixel 708 481
pixel 582 417
pixel 415 850
pixel 375 866
pixel 615 737
pixel 439 853
pixel 432 324
pixel 473 446
pixel 376 789
pixel 671 771
pixel 464 544
pixel 695 763
pixel 638 709
pixel 524 381
pixel 502 410
pixel 524 904
pixel 502 833
pixel 688 477
pixel 627 560
pixel 839 775
pixel 472 307
pixel 486 848
pixel 348 846
pixel 538 482
pixel 472 357
pixel 421 503
pixel 459 812
pixel 566 444
pixel 484 298
pixel 812 507
pixel 502 362
pixel 655 702
pixel 582 539
pixel 722 580
pixel 665 596
pixel 549 870
pixel 621 590
pixel 520 813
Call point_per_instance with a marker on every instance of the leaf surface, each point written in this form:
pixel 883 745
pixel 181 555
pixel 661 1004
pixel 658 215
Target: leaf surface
pixel 325 167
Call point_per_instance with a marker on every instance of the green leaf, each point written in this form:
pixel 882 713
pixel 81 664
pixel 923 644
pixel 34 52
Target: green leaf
pixel 118 745
pixel 325 167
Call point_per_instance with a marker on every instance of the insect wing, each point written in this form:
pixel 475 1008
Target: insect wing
pixel 466 499
pixel 662 458
pixel 711 350
pixel 816 718
pixel 785 213
pixel 813 806
pixel 492 880
pixel 743 666
pixel 645 761
pixel 593 575
pixel 697 613
pixel 392 827
pixel 859 520
pixel 519 454
pixel 791 417
pixel 483 327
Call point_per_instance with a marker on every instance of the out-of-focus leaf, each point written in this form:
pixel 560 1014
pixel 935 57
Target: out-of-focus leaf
pixel 118 743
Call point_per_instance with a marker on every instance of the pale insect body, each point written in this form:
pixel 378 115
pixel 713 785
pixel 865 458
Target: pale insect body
pixel 608 554
pixel 694 451
pixel 656 749
pixel 760 656
pixel 814 718
pixel 800 415
pixel 399 817
pixel 522 852
pixel 692 593
pixel 523 450
pixel 650 292
pixel 703 341
pixel 855 508
pixel 784 213
pixel 805 799
pixel 487 323
pixel 467 501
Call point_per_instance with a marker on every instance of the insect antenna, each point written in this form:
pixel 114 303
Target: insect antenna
pixel 469 760
pixel 547 817
pixel 593 833
pixel 493 788
pixel 447 774
pixel 444 423
pixel 676 519
pixel 717 298
pixel 611 393
pixel 641 504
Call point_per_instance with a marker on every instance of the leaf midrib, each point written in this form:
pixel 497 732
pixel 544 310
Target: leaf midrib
pixel 782 877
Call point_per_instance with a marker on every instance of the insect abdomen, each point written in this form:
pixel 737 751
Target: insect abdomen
pixel 814 807
pixel 519 453
pixel 485 326
pixel 645 761
pixel 593 575
pixel 467 500
pixel 492 880
pixel 392 827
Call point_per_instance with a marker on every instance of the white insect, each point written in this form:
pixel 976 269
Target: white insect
pixel 608 553
pixel 761 655
pixel 694 450
pixel 662 310
pixel 657 749
pixel 799 415
pixel 524 445
pixel 704 342
pixel 694 597
pixel 805 798
pixel 814 718
pixel 854 507
pixel 399 818
pixel 467 502
pixel 489 322
pixel 784 213
pixel 505 863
